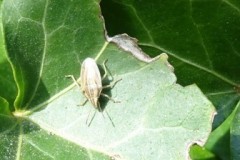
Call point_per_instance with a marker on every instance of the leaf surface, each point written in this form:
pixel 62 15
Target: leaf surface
pixel 201 38
pixel 47 40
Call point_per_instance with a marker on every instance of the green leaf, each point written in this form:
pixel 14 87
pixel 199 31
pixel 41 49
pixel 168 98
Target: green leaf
pixel 235 135
pixel 7 121
pixel 46 40
pixel 36 36
pixel 198 153
pixel 145 120
pixel 28 141
pixel 7 84
pixel 201 37
pixel 219 140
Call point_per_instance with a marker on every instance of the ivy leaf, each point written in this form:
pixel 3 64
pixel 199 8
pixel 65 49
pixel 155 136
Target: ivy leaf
pixel 201 38
pixel 46 40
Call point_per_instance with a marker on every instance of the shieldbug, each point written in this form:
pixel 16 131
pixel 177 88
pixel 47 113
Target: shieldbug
pixel 91 84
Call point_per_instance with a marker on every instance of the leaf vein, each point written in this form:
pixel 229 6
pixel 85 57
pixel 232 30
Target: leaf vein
pixel 140 21
pixel 218 75
pixel 44 54
pixel 39 149
pixel 232 5
pixel 200 37
pixel 19 146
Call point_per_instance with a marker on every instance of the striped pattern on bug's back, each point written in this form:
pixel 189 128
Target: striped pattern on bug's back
pixel 91 82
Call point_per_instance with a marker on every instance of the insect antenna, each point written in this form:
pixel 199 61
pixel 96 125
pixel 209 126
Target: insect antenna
pixel 100 109
pixel 110 118
pixel 88 116
pixel 92 118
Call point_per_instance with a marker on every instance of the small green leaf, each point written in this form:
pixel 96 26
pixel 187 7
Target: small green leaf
pixel 198 153
pixel 219 139
pixel 235 135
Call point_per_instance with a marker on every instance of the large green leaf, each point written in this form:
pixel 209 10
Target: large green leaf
pixel 7 84
pixel 33 31
pixel 201 37
pixel 46 40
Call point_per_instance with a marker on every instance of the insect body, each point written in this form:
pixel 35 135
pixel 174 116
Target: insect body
pixel 91 83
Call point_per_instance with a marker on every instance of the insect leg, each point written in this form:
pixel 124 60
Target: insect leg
pixel 99 107
pixel 76 83
pixel 74 80
pixel 105 70
pixel 110 98
pixel 111 85
pixel 83 103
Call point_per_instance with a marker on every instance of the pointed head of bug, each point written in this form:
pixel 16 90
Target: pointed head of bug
pixel 94 101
